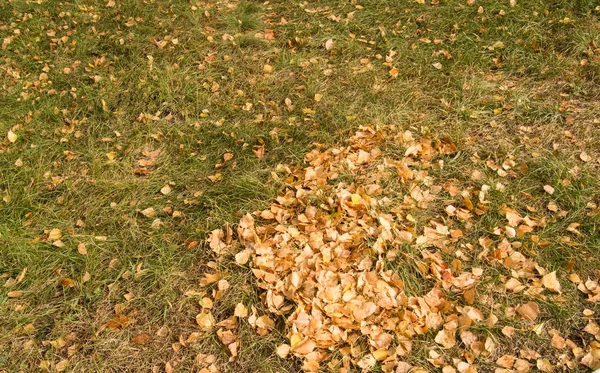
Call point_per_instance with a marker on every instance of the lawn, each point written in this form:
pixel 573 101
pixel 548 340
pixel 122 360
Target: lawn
pixel 278 186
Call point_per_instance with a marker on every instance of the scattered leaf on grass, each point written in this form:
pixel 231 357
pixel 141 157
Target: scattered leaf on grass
pixel 141 338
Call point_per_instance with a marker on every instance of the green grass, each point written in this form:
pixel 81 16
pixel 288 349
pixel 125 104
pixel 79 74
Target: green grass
pixel 67 124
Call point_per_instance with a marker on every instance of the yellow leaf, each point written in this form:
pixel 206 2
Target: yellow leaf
pixel 12 137
pixel 165 190
pixel 240 310
pixel 356 198
pixel 54 234
pixel 205 320
pixel 62 365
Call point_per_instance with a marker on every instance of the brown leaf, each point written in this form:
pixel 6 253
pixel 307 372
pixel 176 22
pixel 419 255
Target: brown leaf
pixel 529 311
pixel 67 282
pixel 550 282
pixel 118 322
pixel 506 361
pixel 305 347
pixel 81 249
pixel 259 151
pixel 62 365
pixel 141 338
pixel 149 212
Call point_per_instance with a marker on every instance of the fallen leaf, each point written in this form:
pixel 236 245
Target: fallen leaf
pixel 12 137
pixel 67 282
pixel 304 347
pixel 283 350
pixel 149 212
pixel 550 282
pixel 240 311
pixel 62 365
pixel 54 234
pixel 259 151
pixel 329 44
pixel 585 157
pixel 141 338
pixel 14 294
pixel 165 190
pixel 81 249
pixel 529 311
pixel 548 189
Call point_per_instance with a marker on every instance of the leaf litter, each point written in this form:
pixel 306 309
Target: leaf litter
pixel 324 255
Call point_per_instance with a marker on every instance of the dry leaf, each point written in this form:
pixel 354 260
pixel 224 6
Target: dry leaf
pixel 149 212
pixel 529 311
pixel 12 137
pixel 81 249
pixel 305 347
pixel 548 189
pixel 585 157
pixel 165 190
pixel 141 338
pixel 54 234
pixel 240 311
pixel 259 151
pixel 283 350
pixel 14 294
pixel 329 44
pixel 550 282
pixel 62 365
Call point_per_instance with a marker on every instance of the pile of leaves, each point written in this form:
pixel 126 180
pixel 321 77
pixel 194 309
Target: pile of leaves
pixel 326 250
